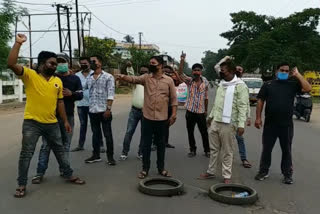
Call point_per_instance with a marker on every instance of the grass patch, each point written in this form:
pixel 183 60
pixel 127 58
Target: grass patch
pixel 124 90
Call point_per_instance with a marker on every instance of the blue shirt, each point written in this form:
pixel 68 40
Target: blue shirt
pixel 85 99
pixel 100 90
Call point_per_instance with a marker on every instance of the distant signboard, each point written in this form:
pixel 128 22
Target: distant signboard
pixel 182 93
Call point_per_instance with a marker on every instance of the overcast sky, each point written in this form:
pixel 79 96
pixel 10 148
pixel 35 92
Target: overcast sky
pixel 174 25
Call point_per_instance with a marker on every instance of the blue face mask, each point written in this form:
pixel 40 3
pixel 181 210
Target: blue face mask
pixel 282 76
pixel 62 68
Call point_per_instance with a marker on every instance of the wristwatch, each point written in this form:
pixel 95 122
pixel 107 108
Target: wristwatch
pixel 109 107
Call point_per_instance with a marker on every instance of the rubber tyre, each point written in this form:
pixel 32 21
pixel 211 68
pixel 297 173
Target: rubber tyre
pixel 215 189
pixel 308 118
pixel 176 187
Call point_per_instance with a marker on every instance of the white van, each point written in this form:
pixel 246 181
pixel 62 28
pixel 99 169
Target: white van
pixel 254 85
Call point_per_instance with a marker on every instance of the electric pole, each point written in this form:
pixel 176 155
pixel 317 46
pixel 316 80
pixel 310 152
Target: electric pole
pixel 78 29
pixel 140 34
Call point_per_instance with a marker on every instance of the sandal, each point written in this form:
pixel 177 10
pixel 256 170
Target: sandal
pixel 37 179
pixel 76 180
pixel 165 173
pixel 142 175
pixel 246 164
pixel 20 192
pixel 206 175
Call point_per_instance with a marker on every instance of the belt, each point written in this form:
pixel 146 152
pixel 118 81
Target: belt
pixel 135 108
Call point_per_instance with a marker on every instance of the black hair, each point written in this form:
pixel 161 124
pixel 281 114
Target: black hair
pixel 230 65
pixel 84 58
pixel 144 66
pixel 44 56
pixel 282 64
pixel 98 57
pixel 158 58
pixel 197 65
pixel 169 67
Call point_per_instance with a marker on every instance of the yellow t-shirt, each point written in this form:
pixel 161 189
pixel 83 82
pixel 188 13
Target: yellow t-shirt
pixel 42 96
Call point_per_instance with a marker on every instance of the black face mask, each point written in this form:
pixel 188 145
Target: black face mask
pixel 239 74
pixel 93 66
pixel 153 68
pixel 84 67
pixel 196 76
pixel 49 71
pixel 222 75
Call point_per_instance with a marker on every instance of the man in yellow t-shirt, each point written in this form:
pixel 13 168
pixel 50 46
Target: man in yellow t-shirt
pixel 44 99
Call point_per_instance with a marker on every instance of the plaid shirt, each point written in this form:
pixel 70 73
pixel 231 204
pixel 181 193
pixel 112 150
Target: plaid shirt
pixel 196 95
pixel 100 90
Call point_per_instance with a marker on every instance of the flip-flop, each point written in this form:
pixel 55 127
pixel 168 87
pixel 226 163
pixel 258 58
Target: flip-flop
pixel 20 192
pixel 165 173
pixel 206 176
pixel 142 175
pixel 76 180
pixel 246 164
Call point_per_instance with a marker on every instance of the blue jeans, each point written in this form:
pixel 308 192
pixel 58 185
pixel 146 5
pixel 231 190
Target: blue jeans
pixel 242 147
pixel 83 112
pixel 135 116
pixel 31 132
pixel 46 148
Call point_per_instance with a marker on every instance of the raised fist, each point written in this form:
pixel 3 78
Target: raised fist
pixel 21 38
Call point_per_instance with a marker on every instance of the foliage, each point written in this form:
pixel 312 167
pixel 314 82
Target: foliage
pixel 97 46
pixel 128 39
pixel 259 41
pixel 8 13
pixel 140 57
pixel 209 61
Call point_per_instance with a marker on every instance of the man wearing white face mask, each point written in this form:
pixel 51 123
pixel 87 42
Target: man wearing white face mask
pixel 72 91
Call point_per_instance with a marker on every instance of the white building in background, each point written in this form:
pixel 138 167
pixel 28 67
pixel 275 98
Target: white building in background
pixel 124 49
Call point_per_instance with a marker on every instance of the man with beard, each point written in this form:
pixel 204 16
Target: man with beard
pixel 135 116
pixel 72 91
pixel 279 95
pixel 159 91
pixel 44 98
pixel 228 116
pixel 196 105
pixel 83 105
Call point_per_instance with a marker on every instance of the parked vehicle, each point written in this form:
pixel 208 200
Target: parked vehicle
pixel 303 106
pixel 254 85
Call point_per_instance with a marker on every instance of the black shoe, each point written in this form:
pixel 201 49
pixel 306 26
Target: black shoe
pixel 207 154
pixel 77 149
pixel 93 159
pixel 191 154
pixel 111 162
pixel 287 180
pixel 170 146
pixel 261 176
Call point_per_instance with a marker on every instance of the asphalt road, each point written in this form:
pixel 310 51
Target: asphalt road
pixel 114 189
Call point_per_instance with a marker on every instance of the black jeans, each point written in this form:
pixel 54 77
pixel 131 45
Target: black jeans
pixel 199 119
pixel 97 121
pixel 31 132
pixel 155 129
pixel 269 137
pixel 83 112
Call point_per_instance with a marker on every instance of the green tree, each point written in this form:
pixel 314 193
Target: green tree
pixel 8 13
pixel 128 39
pixel 140 57
pixel 210 60
pixel 258 41
pixel 96 46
